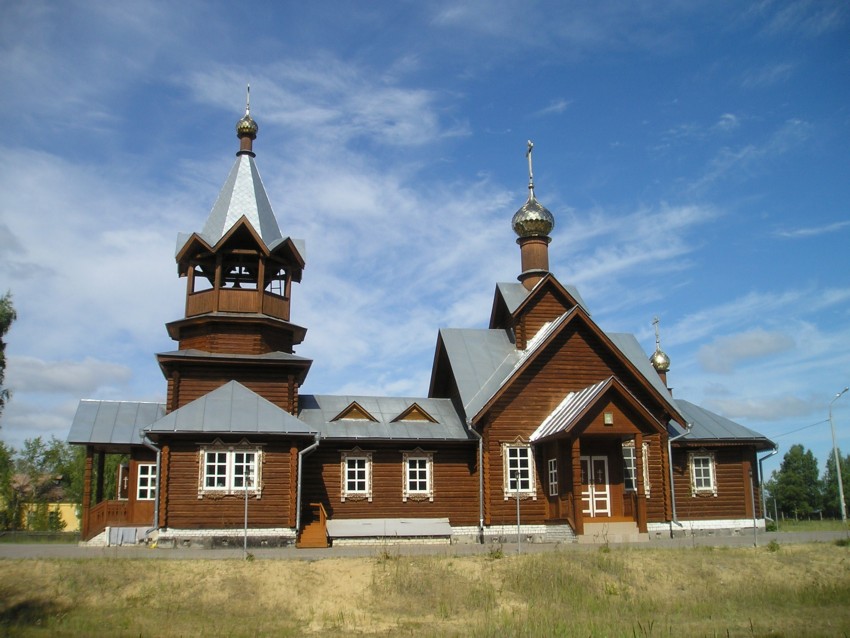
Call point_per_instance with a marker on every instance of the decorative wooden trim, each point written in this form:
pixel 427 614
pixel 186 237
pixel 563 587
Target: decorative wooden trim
pixel 415 412
pixel 354 412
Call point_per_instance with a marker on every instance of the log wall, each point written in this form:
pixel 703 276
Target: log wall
pixel 732 466
pixel 454 479
pixel 182 508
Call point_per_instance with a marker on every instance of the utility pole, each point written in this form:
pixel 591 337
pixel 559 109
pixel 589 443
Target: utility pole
pixel 838 461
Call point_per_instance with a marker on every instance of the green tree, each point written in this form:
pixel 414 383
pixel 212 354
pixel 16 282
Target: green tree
pixel 7 316
pixel 796 486
pixel 830 483
pixel 8 512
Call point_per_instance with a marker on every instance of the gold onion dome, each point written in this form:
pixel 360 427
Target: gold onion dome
pixel 660 361
pixel 533 219
pixel 247 126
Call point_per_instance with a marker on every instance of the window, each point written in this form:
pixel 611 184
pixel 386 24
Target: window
pixel 229 470
pixel 553 477
pixel 418 468
pixel 146 482
pixel 630 467
pixel 356 468
pixel 702 473
pixel 519 476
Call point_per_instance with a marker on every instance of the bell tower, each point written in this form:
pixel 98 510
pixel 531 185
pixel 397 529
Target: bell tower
pixel 239 272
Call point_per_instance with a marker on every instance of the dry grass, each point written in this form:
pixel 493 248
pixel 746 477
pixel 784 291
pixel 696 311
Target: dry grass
pixel 790 591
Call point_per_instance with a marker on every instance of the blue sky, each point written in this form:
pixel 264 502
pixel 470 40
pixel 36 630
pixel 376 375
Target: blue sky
pixel 694 154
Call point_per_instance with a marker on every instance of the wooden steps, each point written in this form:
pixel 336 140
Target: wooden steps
pixel 314 535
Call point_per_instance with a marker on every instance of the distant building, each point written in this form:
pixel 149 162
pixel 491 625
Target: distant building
pixel 542 412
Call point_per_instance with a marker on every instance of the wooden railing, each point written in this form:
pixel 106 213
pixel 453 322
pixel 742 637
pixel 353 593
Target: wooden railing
pixel 106 514
pixel 237 300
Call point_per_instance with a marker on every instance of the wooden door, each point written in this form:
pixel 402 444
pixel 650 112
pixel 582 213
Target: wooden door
pixel 595 487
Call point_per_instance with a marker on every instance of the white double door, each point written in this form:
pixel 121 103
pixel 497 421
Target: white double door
pixel 595 489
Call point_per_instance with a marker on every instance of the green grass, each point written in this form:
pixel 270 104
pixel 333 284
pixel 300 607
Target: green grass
pixel 826 525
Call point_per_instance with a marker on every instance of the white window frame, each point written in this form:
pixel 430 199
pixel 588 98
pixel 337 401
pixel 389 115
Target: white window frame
pixel 348 459
pixel 147 482
pixel 703 470
pixel 412 486
pixel 553 477
pixel 630 467
pixel 518 456
pixel 229 464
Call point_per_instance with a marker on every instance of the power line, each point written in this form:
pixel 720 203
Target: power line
pixel 805 427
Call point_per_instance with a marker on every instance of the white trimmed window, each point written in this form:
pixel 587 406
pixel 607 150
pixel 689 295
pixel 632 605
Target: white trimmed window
pixel 418 468
pixel 230 470
pixel 703 474
pixel 518 471
pixel 356 468
pixel 553 477
pixel 630 467
pixel 146 482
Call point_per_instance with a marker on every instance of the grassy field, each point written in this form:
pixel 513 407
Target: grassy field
pixel 794 590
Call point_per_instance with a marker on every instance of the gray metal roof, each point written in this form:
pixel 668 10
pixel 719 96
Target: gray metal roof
pixel 231 408
pixel 243 193
pixel 563 416
pixel 708 426
pixel 191 353
pixel 113 422
pixel 515 293
pixel 628 344
pixel 317 411
pixel 480 361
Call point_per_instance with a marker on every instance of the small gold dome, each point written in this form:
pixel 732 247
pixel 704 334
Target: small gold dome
pixel 247 126
pixel 660 361
pixel 533 219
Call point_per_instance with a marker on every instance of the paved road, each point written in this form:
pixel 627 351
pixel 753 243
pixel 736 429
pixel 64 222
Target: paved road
pixel 45 550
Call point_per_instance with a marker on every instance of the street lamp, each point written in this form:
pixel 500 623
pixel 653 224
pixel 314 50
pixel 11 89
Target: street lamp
pixel 837 461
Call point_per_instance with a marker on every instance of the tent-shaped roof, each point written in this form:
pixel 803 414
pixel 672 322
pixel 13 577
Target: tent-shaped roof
pixel 318 412
pixel 231 408
pixel 243 193
pixel 113 423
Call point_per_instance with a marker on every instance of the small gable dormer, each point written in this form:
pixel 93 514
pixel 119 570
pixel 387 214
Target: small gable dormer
pixel 354 412
pixel 415 413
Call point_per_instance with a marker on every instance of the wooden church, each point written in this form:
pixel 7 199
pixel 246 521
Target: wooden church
pixel 541 427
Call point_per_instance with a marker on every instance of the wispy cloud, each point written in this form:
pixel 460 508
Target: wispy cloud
pixel 555 108
pixel 812 231
pixel 725 353
pixel 767 76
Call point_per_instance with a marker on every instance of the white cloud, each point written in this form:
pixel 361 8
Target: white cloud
pixel 29 374
pixel 554 108
pixel 726 353
pixel 813 231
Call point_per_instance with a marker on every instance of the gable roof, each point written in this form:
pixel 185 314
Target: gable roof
pixel 318 412
pixel 231 408
pixel 708 427
pixel 511 297
pixel 576 404
pixel 113 423
pixel 484 361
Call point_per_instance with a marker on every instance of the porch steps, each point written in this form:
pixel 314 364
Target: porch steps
pixel 612 532
pixel 314 535
pixel 560 534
